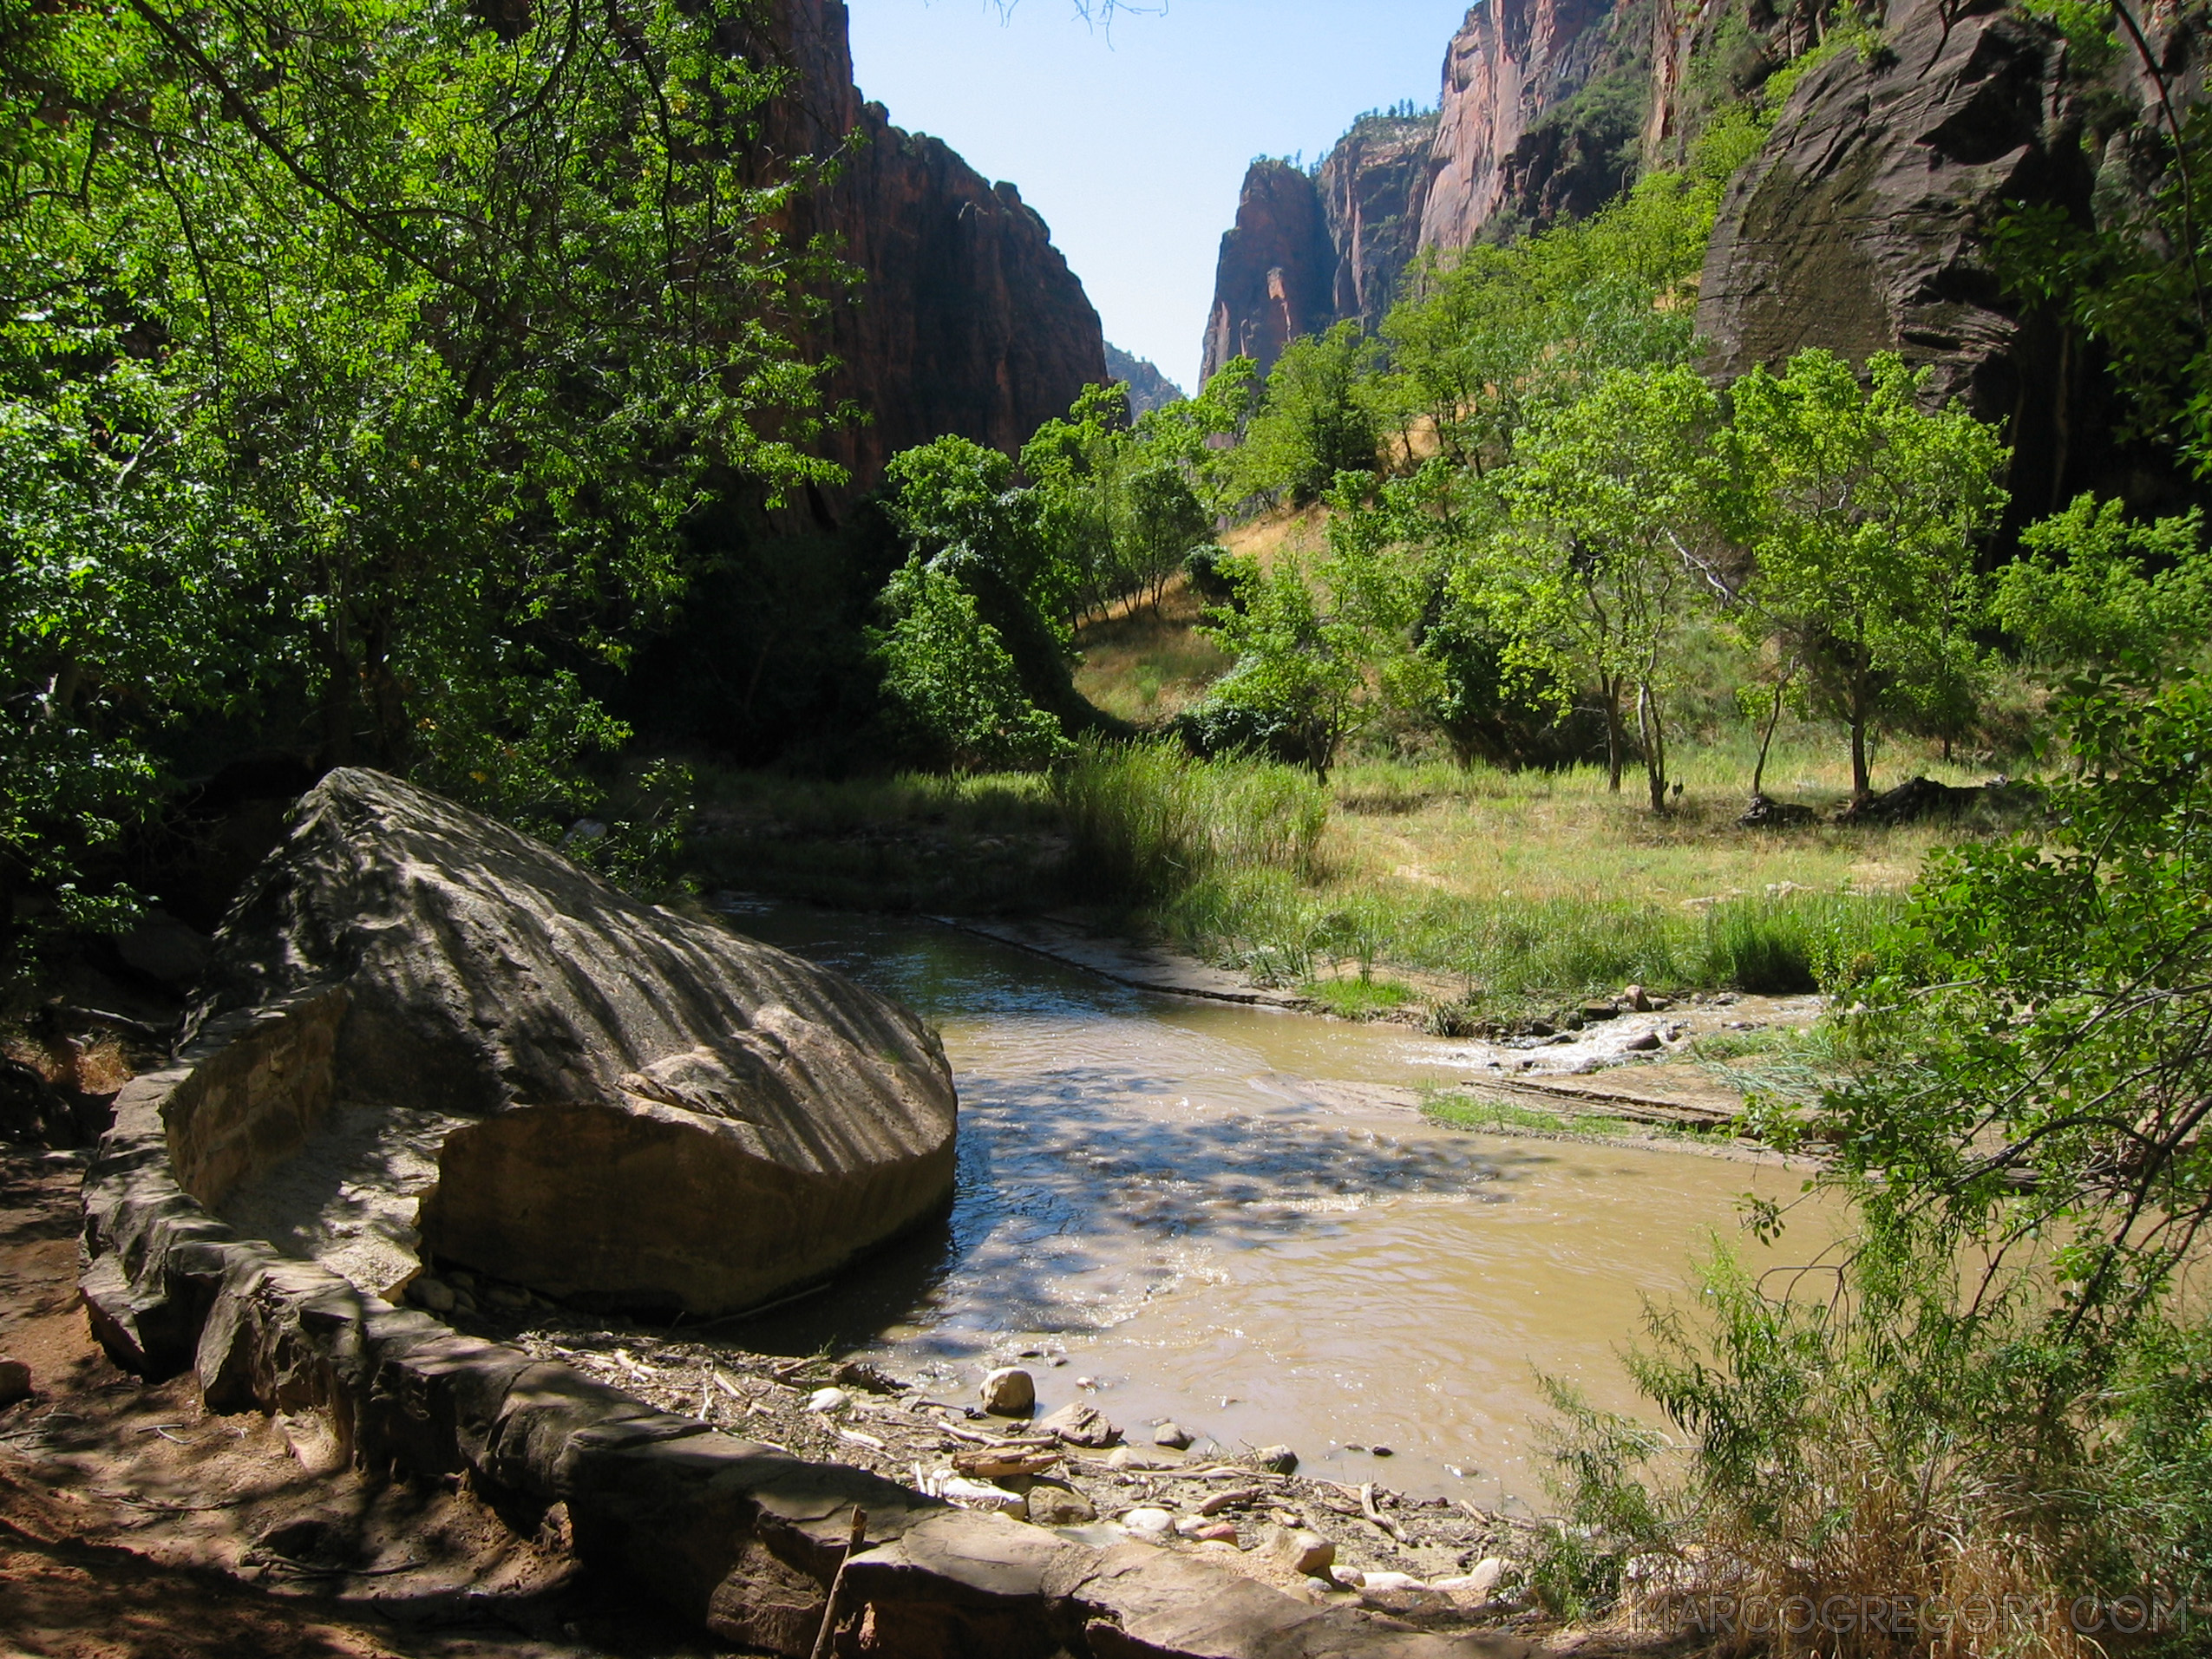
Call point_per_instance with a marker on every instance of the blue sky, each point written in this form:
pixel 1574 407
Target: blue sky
pixel 1131 141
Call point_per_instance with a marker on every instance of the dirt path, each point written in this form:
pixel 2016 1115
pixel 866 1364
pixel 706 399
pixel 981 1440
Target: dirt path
pixel 133 1526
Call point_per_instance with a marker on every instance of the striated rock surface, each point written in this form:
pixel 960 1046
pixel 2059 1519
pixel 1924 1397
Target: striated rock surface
pixel 1374 185
pixel 1511 62
pixel 619 1106
pixel 1859 227
pixel 967 320
pixel 1276 278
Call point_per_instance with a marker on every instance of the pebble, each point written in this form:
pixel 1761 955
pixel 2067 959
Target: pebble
pixel 1382 1451
pixel 1173 1436
pixel 828 1399
pixel 15 1382
pixel 1148 1522
pixel 1009 1391
pixel 1077 1424
pixel 1302 1551
pixel 1277 1459
pixel 1051 1505
pixel 434 1294
pixel 1202 1530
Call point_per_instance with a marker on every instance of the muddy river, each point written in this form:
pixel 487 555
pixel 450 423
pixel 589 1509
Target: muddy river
pixel 1163 1196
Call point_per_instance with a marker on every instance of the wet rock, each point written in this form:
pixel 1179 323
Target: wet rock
pixel 828 1399
pixel 1009 1391
pixel 873 1379
pixel 1636 999
pixel 435 1295
pixel 651 1109
pixel 1050 1504
pixel 15 1382
pixel 1645 1044
pixel 1382 1450
pixel 1302 1551
pixel 1276 1459
pixel 1078 1424
pixel 1173 1435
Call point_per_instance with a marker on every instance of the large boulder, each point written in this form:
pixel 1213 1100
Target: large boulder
pixel 625 1106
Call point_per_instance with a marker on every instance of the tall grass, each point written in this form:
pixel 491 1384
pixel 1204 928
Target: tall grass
pixel 1268 923
pixel 1145 820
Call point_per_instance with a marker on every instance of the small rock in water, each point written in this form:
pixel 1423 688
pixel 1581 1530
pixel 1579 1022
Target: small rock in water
pixel 1053 1505
pixel 1353 1445
pixel 1148 1523
pixel 1382 1451
pixel 434 1294
pixel 1057 1359
pixel 828 1399
pixel 1009 1391
pixel 1173 1436
pixel 1302 1551
pixel 15 1382
pixel 1277 1459
pixel 1086 1382
pixel 1644 1044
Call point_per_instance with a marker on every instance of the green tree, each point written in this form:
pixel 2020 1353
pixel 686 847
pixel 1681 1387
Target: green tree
pixel 1314 420
pixel 1162 522
pixel 1299 680
pixel 377 360
pixel 1613 549
pixel 949 675
pixel 1862 510
pixel 2095 588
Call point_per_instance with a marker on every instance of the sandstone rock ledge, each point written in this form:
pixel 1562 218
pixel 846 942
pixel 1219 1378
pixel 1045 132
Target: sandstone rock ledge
pixel 739 1538
pixel 611 1103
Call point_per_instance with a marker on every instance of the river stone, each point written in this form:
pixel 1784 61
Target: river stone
pixel 1276 1459
pixel 1009 1391
pixel 1078 1424
pixel 1173 1435
pixel 651 1110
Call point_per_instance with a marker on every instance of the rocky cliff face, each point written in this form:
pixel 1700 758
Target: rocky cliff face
pixel 1503 149
pixel 1858 228
pixel 1149 388
pixel 1276 277
pixel 1512 62
pixel 967 319
pixel 1373 188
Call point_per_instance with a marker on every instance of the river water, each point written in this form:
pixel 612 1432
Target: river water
pixel 1164 1194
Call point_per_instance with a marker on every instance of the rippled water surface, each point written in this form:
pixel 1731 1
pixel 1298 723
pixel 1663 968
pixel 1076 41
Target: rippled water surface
pixel 1167 1193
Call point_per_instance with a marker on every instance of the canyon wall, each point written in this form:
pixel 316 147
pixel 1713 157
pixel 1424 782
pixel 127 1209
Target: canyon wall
pixel 966 318
pixel 1276 277
pixel 1508 146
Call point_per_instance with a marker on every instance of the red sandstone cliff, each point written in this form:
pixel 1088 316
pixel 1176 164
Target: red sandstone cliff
pixel 1511 62
pixel 967 319
pixel 1373 187
pixel 1396 185
pixel 1276 278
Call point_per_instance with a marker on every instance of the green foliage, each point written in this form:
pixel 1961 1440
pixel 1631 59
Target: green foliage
pixel 1862 510
pixel 949 675
pixel 1313 422
pixel 1613 500
pixel 1299 684
pixel 368 365
pixel 2097 589
pixel 1145 820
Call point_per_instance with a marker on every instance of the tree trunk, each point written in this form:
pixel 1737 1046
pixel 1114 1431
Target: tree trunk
pixel 1653 736
pixel 1860 786
pixel 1766 740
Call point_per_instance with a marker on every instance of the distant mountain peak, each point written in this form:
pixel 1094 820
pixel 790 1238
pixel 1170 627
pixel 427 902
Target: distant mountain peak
pixel 1149 388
